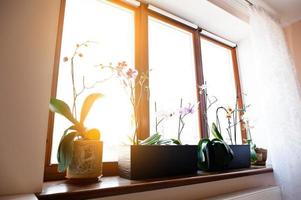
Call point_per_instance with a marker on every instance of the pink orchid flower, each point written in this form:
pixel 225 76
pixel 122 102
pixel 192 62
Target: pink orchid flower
pixel 132 73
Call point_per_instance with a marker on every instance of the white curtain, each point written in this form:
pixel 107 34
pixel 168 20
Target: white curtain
pixel 273 92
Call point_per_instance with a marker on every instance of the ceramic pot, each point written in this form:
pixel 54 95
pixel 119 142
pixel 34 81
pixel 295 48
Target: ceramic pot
pixel 86 160
pixel 261 156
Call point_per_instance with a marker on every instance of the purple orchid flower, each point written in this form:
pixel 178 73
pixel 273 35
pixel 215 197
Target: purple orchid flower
pixel 187 110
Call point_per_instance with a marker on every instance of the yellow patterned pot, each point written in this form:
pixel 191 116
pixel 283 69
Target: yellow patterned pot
pixel 86 160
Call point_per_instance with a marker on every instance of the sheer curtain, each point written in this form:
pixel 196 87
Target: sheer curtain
pixel 273 91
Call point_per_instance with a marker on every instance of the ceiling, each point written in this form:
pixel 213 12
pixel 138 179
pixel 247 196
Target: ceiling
pixel 206 15
pixel 288 10
pixel 216 18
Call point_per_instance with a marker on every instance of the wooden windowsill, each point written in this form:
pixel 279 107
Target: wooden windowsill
pixel 115 185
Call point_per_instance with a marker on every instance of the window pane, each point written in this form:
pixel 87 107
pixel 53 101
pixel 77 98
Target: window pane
pixel 172 77
pixel 219 77
pixel 111 30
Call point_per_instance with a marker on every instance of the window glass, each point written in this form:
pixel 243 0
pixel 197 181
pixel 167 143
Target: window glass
pixel 172 78
pixel 219 77
pixel 110 32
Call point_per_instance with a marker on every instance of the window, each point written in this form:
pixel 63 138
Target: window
pixel 172 78
pixel 218 71
pixel 110 29
pixel 169 50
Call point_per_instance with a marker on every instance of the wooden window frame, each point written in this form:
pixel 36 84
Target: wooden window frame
pixel 142 65
pixel 197 60
pixel 236 80
pixel 109 168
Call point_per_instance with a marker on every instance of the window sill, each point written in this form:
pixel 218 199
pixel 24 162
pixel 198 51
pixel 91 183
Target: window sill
pixel 115 185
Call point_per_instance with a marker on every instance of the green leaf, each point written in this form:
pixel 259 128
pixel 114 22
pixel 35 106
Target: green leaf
pixel 130 139
pixel 153 139
pixel 223 154
pixel 164 142
pixel 202 162
pixel 89 101
pixel 73 128
pixel 177 142
pixel 148 139
pixel 65 151
pixel 59 106
pixel 253 152
pixel 215 132
pixel 229 151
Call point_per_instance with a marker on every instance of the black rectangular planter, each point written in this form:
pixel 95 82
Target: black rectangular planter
pixel 155 161
pixel 242 157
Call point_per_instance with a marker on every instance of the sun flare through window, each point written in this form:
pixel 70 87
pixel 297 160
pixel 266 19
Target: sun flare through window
pixel 104 34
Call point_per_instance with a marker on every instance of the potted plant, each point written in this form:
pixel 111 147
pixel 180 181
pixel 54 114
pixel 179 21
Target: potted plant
pixel 80 148
pixel 258 155
pixel 152 157
pixel 158 157
pixel 216 154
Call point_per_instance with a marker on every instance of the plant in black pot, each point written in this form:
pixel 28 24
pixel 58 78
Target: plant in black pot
pixel 216 154
pixel 157 156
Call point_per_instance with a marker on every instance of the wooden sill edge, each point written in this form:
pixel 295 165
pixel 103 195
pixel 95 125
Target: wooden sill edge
pixel 64 190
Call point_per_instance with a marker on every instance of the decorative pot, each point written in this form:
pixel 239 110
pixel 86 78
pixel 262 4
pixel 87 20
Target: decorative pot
pixel 261 155
pixel 86 161
pixel 155 161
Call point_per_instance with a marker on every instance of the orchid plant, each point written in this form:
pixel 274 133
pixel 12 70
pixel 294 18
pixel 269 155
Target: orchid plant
pixel 209 101
pixel 247 126
pixel 157 138
pixel 134 86
pixel 233 120
pixel 182 113
pixel 77 130
pixel 224 153
pixel 231 115
pixel 77 92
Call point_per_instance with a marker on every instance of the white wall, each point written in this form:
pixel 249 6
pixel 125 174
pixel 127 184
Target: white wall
pixel 27 46
pixel 293 36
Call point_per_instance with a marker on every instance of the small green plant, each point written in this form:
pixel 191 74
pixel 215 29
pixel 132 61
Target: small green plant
pixel 249 140
pixel 76 131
